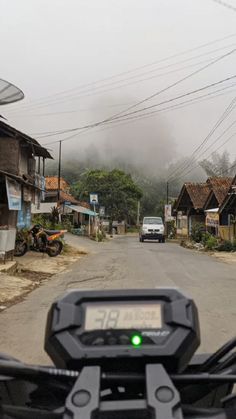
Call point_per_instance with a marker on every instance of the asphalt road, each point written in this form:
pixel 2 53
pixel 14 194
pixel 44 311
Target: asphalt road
pixel 125 263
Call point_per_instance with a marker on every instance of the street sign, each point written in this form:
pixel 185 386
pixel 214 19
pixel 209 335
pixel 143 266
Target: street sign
pixel 168 216
pixel 212 219
pixel 102 211
pixel 94 198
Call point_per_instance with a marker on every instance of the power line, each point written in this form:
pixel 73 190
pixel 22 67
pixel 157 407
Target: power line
pixel 58 132
pixel 223 3
pixel 133 119
pixel 215 150
pixel 115 116
pixel 97 91
pixel 188 162
pixel 176 98
pixel 131 71
pixel 229 168
pixel 178 82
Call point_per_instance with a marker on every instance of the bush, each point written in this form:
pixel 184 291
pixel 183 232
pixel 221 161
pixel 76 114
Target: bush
pixel 98 237
pixel 132 229
pixel 197 232
pixel 171 229
pixel 41 219
pixel 205 237
pixel 226 246
pixel 211 243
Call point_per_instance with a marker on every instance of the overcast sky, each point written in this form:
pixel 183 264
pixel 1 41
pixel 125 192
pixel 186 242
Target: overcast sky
pixel 53 46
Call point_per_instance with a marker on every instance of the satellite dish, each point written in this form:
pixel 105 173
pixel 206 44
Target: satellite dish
pixel 9 93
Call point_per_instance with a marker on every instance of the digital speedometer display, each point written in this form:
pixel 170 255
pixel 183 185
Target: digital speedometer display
pixel 122 316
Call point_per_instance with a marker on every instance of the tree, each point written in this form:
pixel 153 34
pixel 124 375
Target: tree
pixel 219 165
pixel 116 190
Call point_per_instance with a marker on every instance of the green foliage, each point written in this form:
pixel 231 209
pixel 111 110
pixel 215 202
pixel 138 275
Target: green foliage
pixel 99 237
pixel 211 243
pixel 226 246
pixel 171 229
pixel 54 218
pixel 116 190
pixel 45 221
pixel 42 219
pixel 205 237
pixel 198 230
pixel 153 188
pixel 132 229
pixel 23 234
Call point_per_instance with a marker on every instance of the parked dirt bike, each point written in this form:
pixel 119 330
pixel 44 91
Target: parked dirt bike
pixel 40 239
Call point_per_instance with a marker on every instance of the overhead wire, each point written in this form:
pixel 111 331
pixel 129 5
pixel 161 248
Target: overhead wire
pixel 121 118
pixel 43 99
pixel 188 161
pixel 208 156
pixel 212 62
pixel 91 125
pixel 133 119
pixel 89 93
pixel 223 3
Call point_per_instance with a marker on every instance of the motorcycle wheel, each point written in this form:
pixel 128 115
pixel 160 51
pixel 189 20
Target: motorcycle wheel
pixel 20 248
pixel 54 248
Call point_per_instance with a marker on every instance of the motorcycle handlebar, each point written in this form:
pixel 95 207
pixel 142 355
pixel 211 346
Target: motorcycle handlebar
pixel 92 380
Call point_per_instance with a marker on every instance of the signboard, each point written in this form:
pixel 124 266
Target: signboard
pixel 24 216
pixel 43 186
pixel 168 216
pixel 102 211
pixel 212 219
pixel 13 194
pixel 27 194
pixel 94 198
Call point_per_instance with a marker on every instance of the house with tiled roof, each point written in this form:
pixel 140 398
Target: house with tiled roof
pixel 227 213
pixel 189 207
pixel 209 203
pixel 219 190
pixel 52 184
pixel 58 191
pixel 58 195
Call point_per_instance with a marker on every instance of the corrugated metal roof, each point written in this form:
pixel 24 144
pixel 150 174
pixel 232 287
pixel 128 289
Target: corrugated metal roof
pixel 82 210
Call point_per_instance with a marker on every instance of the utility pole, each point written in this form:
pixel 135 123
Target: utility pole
pixel 167 202
pixel 138 213
pixel 167 192
pixel 59 173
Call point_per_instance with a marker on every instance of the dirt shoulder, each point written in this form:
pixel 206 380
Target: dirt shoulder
pixel 227 257
pixel 31 270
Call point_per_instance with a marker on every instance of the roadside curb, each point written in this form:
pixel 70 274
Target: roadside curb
pixel 21 277
pixel 9 267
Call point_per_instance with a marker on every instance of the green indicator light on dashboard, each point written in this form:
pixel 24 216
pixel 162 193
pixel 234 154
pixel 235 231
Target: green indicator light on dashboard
pixel 136 340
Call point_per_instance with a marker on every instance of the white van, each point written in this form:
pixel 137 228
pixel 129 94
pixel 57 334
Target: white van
pixel 152 229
